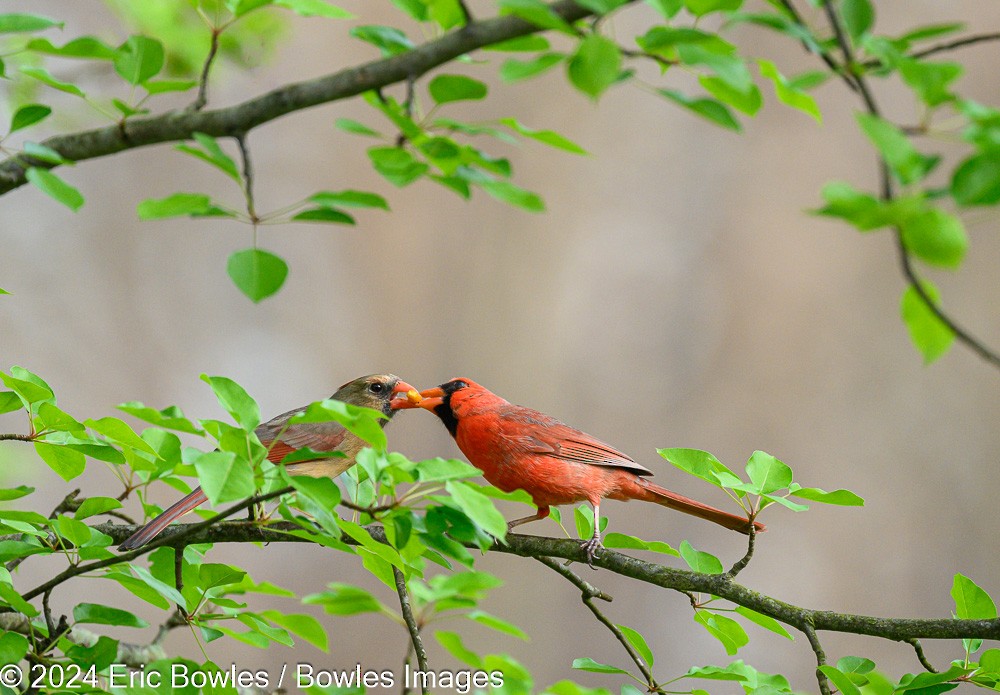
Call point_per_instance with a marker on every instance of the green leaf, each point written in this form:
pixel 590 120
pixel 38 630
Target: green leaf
pixel 517 70
pixel 344 599
pixel 82 47
pixel 843 498
pixel 439 469
pixel 601 6
pixel 96 505
pixel 9 401
pixel 903 159
pixel 165 86
pixel 862 210
pixel 700 464
pixel 235 400
pixel 193 204
pixel 213 154
pixel 349 198
pixel 639 642
pixel 13 493
pixel 524 44
pixel 930 80
pixel 96 614
pixel 548 137
pixel 588 664
pixel 976 181
pixel 595 65
pixel 28 115
pixel 305 626
pixel 67 463
pixel 620 540
pixel 726 630
pixel 536 12
pixel 929 335
pixel 171 418
pixel 767 473
pixel 13 647
pixel 397 165
pixel 349 125
pixel 702 7
pixel 323 214
pixel 971 602
pixel 709 109
pixel 858 16
pixel 42 75
pixel 363 422
pixel 55 187
pixel 844 684
pixel 119 432
pixel 765 621
pixel 138 59
pixel 43 153
pixel 452 641
pixel 15 23
pixel 935 237
pixel 448 88
pixel 507 192
pixel 314 8
pixel 478 507
pixel 257 273
pixel 224 477
pixel 700 561
pixel 493 622
pixel 788 95
pixel 389 40
pixel 748 101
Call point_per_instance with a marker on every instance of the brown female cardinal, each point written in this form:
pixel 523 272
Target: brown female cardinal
pixel 517 448
pixel 375 391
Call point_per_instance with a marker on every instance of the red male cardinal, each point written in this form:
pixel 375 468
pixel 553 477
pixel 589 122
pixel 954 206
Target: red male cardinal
pixel 375 391
pixel 517 448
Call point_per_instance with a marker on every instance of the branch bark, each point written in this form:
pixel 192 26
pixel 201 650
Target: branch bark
pixel 241 118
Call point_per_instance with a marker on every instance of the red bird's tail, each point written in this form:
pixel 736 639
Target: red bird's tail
pixel 167 517
pixel 663 496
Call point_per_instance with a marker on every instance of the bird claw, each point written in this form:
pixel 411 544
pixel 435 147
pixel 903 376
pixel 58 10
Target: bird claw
pixel 592 547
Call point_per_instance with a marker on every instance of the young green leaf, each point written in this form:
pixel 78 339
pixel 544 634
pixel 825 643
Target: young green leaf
pixel 906 162
pixel 349 125
pixel 397 165
pixel 840 679
pixel 930 81
pixel 517 70
pixel 87 47
pixel 698 463
pixel 537 13
pixel 702 7
pixel 478 507
pixel 17 23
pixel 257 273
pixel 389 40
pixel 42 75
pixel 935 237
pixel 345 599
pixel 548 137
pixel 767 473
pixel 323 214
pixel 224 477
pixel 507 192
pixel 493 622
pixel 349 198
pixel 700 561
pixel 447 88
pixel 595 65
pixel 843 498
pixel 13 647
pixel 929 335
pixel 747 100
pixel 620 540
pixel 709 109
pixel 976 181
pixel 639 642
pixel 28 115
pixel 235 400
pixel 588 664
pixel 174 206
pixel 170 417
pixel 787 94
pixel 765 621
pixel 862 210
pixel 726 630
pixel 452 642
pixel 55 187
pixel 213 154
pixel 858 16
pixel 96 614
pixel 971 602
pixel 165 86
pixel 138 59
pixel 305 626
pixel 66 462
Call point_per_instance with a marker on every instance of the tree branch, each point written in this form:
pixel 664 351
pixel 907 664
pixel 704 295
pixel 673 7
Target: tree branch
pixel 411 624
pixel 915 643
pixel 810 632
pixel 684 581
pixel 180 125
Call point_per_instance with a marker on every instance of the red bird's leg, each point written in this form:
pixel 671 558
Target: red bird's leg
pixel 540 514
pixel 594 544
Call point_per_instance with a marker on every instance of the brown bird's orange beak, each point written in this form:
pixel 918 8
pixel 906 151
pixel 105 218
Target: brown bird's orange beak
pixel 428 399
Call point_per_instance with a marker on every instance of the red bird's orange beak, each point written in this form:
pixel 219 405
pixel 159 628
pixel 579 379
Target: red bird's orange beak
pixel 404 396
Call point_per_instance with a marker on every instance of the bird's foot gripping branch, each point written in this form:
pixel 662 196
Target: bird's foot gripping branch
pixel 415 526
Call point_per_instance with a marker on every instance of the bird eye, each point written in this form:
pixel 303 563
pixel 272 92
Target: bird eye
pixel 376 387
pixel 460 385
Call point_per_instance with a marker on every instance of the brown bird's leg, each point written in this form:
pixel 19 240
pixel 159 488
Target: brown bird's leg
pixel 594 544
pixel 540 514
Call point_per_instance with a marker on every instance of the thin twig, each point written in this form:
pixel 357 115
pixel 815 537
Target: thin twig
pixel 588 592
pixel 16 437
pixel 957 43
pixel 466 13
pixel 370 511
pixel 745 560
pixel 823 55
pixel 411 624
pixel 810 632
pixel 69 503
pixel 247 176
pixel 202 99
pixel 921 657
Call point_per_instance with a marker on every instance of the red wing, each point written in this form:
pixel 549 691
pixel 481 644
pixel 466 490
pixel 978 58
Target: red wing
pixel 541 434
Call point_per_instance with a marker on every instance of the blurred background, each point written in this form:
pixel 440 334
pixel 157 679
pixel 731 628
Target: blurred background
pixel 675 294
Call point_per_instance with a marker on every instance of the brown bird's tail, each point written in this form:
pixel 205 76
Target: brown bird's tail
pixel 154 527
pixel 663 496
